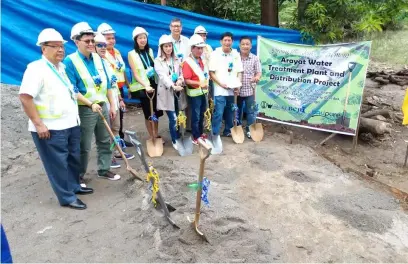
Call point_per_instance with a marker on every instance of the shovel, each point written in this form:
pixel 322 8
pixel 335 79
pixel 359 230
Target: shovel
pixel 184 145
pixel 205 152
pixel 130 169
pixel 236 131
pixel 155 145
pixel 167 208
pixel 256 129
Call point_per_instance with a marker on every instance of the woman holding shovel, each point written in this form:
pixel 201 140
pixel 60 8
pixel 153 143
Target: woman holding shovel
pixel 144 78
pixel 170 95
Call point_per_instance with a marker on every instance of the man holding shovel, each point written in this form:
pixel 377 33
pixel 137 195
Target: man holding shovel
pixel 114 57
pixel 225 70
pixel 87 72
pixel 251 75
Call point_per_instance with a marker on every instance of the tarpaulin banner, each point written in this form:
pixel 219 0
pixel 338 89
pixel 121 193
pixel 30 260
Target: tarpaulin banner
pixel 23 20
pixel 316 87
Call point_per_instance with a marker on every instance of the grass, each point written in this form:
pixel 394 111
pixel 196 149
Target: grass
pixel 390 47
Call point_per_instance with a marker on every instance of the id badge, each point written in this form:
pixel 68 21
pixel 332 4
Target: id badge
pixel 174 77
pixel 150 72
pixel 180 55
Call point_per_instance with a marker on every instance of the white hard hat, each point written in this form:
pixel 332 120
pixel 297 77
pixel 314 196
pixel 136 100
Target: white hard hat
pixel 105 28
pixel 200 30
pixel 79 28
pixel 99 38
pixel 196 40
pixel 165 39
pixel 138 31
pixel 49 34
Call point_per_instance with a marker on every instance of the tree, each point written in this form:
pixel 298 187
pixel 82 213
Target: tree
pixel 270 13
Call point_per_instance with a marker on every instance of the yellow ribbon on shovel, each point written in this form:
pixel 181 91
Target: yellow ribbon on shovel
pixel 181 120
pixel 153 174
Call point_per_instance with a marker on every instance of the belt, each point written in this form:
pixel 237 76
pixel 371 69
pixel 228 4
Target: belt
pixel 100 103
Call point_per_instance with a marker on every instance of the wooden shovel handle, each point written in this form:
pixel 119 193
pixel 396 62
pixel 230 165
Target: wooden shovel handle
pixel 113 138
pixel 207 147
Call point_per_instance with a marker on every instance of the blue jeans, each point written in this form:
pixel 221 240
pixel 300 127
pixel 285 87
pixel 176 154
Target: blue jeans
pixel 198 106
pixel 249 107
pixel 222 108
pixel 172 115
pixel 60 156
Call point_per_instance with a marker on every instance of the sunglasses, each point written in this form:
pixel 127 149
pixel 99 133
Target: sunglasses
pixel 89 41
pixel 101 45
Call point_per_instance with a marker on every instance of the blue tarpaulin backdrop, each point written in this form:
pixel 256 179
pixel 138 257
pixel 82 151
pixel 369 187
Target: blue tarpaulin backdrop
pixel 23 20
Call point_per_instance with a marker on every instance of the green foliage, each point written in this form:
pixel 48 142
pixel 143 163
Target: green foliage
pixel 328 21
pixel 324 21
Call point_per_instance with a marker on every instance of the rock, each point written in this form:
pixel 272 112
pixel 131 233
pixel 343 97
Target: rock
pixel 382 80
pixel 391 87
pixel 380 117
pixel 371 84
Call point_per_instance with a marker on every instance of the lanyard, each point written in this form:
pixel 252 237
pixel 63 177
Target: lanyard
pixel 62 80
pixel 143 59
pixel 171 66
pixel 175 47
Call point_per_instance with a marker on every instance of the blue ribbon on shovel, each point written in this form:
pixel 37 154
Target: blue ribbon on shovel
pixel 204 193
pixel 154 118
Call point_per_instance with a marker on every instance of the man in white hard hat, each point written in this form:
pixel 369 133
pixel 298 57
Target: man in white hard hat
pixel 201 31
pixel 196 76
pixel 100 47
pixel 180 42
pixel 50 101
pixel 87 72
pixel 114 57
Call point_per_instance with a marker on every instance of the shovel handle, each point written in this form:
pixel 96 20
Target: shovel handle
pixel 113 138
pixel 207 147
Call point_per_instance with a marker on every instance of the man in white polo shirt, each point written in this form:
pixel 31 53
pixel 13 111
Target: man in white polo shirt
pixel 50 101
pixel 226 72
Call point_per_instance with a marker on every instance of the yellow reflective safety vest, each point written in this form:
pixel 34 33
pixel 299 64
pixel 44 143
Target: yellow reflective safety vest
pixel 117 64
pixel 203 76
pixel 94 93
pixel 49 103
pixel 140 71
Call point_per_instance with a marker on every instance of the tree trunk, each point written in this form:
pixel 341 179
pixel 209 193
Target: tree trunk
pixel 163 2
pixel 302 6
pixel 270 13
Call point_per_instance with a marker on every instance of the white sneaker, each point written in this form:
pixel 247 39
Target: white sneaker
pixel 175 146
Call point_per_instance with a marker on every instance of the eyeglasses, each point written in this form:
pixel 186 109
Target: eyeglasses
pixel 55 47
pixel 175 26
pixel 101 45
pixel 89 41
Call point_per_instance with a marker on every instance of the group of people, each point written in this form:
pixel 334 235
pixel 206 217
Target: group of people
pixel 66 97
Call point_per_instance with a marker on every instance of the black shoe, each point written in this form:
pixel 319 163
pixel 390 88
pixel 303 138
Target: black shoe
pixel 77 204
pixel 84 191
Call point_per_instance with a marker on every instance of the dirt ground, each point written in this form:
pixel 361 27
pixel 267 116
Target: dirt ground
pixel 269 202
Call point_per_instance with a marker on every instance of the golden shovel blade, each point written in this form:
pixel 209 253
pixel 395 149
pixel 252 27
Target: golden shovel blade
pixel 238 134
pixel 154 147
pixel 257 132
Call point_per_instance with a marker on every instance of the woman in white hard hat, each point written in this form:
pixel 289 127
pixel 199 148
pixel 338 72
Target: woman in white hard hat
pixel 144 78
pixel 170 95
pixel 100 47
